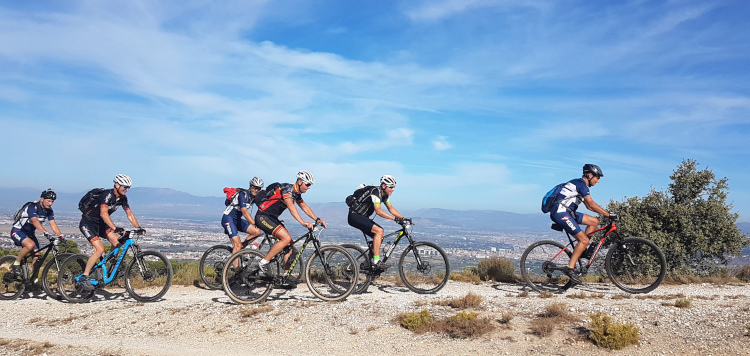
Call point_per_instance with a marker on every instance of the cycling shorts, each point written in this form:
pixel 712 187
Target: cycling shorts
pixel 230 225
pixel 269 224
pixel 93 230
pixel 18 235
pixel 567 222
pixel 362 223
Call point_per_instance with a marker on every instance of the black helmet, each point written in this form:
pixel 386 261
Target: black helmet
pixel 594 169
pixel 49 194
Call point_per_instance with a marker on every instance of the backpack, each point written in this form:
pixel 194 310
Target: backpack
pixel 231 193
pixel 90 199
pixel 19 213
pixel 355 200
pixel 550 199
pixel 264 194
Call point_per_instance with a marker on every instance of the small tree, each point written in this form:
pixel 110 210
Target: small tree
pixel 691 223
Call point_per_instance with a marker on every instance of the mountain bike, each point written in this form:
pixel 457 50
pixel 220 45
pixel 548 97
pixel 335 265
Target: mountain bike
pixel 215 258
pixel 12 285
pixel 423 266
pixel 147 274
pixel 633 264
pixel 330 273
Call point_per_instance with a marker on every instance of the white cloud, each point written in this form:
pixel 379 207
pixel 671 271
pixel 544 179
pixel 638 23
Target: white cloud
pixel 441 143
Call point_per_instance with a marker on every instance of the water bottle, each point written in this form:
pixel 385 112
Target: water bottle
pixel 254 246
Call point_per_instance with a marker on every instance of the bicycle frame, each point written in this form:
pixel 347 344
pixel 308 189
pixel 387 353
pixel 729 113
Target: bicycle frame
pixel 608 229
pixel 37 266
pixel 308 236
pixel 109 277
pixel 389 247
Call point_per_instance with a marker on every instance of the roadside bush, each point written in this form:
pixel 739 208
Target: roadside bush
pixel 614 336
pixel 185 273
pixel 743 273
pixel 468 275
pixel 497 269
pixel 416 322
pixel 465 325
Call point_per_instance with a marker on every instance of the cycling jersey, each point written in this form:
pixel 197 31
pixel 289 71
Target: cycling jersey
pixel 571 196
pixel 33 210
pixel 242 199
pixel 367 207
pixel 274 205
pixel 108 198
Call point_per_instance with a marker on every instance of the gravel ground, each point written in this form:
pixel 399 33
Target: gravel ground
pixel 194 321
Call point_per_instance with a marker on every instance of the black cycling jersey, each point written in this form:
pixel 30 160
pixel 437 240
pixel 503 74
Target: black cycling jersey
pixel 274 205
pixel 108 198
pixel 367 207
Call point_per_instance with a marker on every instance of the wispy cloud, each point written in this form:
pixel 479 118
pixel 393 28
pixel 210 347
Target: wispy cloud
pixel 441 143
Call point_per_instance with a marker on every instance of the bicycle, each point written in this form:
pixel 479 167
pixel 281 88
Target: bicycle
pixel 148 274
pixel 330 273
pixel 12 285
pixel 215 258
pixel 633 264
pixel 423 267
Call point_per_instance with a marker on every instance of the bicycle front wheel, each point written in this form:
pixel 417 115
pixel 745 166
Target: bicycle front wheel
pixel 636 265
pixel 424 267
pixel 11 286
pixel 245 283
pixel 49 276
pixel 148 276
pixel 363 262
pixel 541 263
pixel 212 264
pixel 67 286
pixel 331 273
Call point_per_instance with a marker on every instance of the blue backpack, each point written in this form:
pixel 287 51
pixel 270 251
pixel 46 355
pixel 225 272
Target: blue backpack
pixel 550 199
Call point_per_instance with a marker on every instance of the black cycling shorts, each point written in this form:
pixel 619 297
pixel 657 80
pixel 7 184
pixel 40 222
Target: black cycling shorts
pixel 93 230
pixel 362 223
pixel 268 224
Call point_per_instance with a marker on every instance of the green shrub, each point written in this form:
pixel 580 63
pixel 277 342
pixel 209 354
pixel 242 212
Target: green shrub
pixel 743 273
pixel 416 322
pixel 497 269
pixel 467 275
pixel 611 335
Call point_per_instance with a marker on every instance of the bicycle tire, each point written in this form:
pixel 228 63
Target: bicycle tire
pixel 535 263
pixel 362 259
pixel 243 284
pixel 424 267
pixel 636 265
pixel 148 276
pixel 212 265
pixel 49 276
pixel 331 273
pixel 71 268
pixel 11 287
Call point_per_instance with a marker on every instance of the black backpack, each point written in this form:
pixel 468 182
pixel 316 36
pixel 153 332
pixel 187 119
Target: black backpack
pixel 355 200
pixel 551 198
pixel 90 199
pixel 19 213
pixel 264 194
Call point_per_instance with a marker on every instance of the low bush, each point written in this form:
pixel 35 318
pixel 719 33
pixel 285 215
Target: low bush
pixel 683 303
pixel 416 322
pixel 743 273
pixel 253 310
pixel 614 336
pixel 471 300
pixel 468 275
pixel 556 310
pixel 543 326
pixel 465 325
pixel 497 269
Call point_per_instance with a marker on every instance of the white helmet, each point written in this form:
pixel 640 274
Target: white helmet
pixel 306 177
pixel 256 182
pixel 388 180
pixel 122 179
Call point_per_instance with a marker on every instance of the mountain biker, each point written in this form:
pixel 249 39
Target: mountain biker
pixel 359 215
pixel 23 231
pixel 564 213
pixel 97 223
pixel 269 209
pixel 232 219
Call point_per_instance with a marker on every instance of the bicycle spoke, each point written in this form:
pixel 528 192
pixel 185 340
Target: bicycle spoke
pixel 424 267
pixel 11 285
pixel 148 277
pixel 331 273
pixel 636 265
pixel 244 283
pixel 212 264
pixel 541 263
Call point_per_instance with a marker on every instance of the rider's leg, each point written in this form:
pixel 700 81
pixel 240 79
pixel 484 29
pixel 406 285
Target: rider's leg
pixel 252 234
pixel 377 240
pixel 583 238
pixel 284 240
pixel 96 242
pixel 28 245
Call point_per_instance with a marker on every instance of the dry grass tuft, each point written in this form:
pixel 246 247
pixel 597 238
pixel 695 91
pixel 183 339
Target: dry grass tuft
pixel 556 310
pixel 743 273
pixel 524 294
pixel 543 327
pixel 249 311
pixel 465 325
pixel 506 318
pixel 621 296
pixel 497 269
pixel 613 336
pixel 471 300
pixel 545 294
pixel 416 322
pixel 468 275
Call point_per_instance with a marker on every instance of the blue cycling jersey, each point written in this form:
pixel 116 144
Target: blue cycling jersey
pixel 571 196
pixel 33 210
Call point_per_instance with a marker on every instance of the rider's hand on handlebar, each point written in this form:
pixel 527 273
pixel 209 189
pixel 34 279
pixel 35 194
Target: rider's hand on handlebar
pixel 140 231
pixel 307 225
pixel 613 216
pixel 399 221
pixel 48 236
pixel 119 230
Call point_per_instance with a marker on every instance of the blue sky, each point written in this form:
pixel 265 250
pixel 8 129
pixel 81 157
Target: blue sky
pixel 471 104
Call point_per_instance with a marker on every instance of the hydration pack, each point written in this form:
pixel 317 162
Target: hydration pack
pixel 90 200
pixel 19 213
pixel 266 194
pixel 550 199
pixel 231 193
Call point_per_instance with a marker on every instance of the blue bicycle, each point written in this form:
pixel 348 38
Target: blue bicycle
pixel 147 274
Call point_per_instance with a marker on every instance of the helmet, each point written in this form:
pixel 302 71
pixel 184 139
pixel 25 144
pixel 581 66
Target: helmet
pixel 388 180
pixel 592 168
pixel 306 177
pixel 49 194
pixel 122 179
pixel 256 182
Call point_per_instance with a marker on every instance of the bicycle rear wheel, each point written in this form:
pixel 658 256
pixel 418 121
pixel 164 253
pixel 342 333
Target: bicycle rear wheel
pixel 636 265
pixel 49 276
pixel 71 268
pixel 11 286
pixel 148 276
pixel 212 265
pixel 424 267
pixel 362 260
pixel 245 284
pixel 331 273
pixel 539 265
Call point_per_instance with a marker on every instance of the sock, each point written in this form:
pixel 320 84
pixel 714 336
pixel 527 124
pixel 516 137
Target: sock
pixel 16 263
pixel 375 259
pixel 263 262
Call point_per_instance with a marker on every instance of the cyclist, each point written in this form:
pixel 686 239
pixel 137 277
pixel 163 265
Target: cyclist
pixel 564 213
pixel 371 199
pixel 96 222
pixel 232 219
pixel 272 205
pixel 23 231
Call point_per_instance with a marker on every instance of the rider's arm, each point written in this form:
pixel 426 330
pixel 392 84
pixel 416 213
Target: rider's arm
pixel 295 214
pixel 38 225
pixel 593 206
pixel 393 211
pixel 54 227
pixel 306 208
pixel 247 216
pixel 132 218
pixel 104 213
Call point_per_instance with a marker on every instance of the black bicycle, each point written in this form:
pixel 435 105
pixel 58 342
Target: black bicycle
pixel 12 285
pixel 330 273
pixel 633 264
pixel 148 274
pixel 423 266
pixel 215 258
